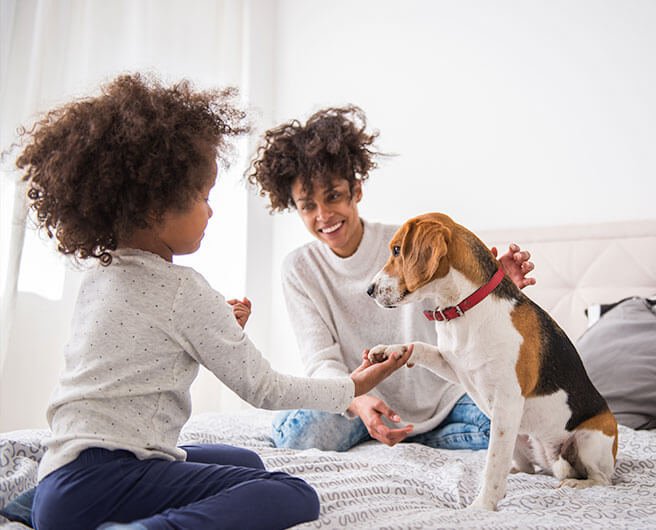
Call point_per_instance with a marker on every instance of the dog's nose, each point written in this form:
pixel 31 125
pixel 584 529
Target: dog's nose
pixel 371 289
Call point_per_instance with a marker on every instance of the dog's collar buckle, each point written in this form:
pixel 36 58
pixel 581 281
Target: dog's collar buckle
pixel 449 313
pixel 437 315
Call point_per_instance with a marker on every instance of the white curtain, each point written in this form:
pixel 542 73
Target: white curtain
pixel 54 50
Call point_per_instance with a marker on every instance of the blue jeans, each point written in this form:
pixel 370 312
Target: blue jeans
pixel 466 427
pixel 218 486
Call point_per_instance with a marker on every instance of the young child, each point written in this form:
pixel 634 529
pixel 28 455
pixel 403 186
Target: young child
pixel 317 168
pixel 122 180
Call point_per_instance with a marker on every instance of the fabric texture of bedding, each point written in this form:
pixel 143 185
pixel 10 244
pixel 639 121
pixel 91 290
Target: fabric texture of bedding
pixel 405 486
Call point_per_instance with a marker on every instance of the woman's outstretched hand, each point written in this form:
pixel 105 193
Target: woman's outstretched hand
pixel 368 375
pixel 371 411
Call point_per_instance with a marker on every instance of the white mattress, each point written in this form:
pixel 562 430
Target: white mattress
pixel 408 486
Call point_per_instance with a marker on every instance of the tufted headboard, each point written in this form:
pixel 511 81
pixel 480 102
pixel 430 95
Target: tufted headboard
pixel 577 266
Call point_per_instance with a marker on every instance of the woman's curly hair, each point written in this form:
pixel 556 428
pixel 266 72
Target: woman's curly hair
pixel 333 142
pixel 98 168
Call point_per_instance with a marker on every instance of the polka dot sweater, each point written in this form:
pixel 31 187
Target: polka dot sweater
pixel 141 328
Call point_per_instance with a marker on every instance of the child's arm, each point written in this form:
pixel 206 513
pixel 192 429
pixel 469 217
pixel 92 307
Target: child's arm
pixel 204 325
pixel 241 310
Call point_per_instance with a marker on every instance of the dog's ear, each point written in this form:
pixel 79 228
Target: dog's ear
pixel 424 245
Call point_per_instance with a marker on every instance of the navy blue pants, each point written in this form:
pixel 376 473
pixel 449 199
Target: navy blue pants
pixel 218 486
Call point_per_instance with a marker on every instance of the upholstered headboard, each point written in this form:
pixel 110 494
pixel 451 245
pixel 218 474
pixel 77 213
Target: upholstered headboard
pixel 580 265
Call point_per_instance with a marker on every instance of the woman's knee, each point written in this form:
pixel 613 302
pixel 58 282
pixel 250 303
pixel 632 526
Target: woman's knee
pixel 484 424
pixel 294 429
pixel 480 420
pixel 306 429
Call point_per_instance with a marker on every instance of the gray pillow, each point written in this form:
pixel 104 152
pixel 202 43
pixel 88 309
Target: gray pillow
pixel 619 354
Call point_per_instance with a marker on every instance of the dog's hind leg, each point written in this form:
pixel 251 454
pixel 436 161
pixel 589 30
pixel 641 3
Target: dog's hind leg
pixel 523 456
pixel 595 460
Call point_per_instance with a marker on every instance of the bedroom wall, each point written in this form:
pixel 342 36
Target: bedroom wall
pixel 502 114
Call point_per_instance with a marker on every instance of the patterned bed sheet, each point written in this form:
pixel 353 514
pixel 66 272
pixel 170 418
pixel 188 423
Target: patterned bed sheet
pixel 408 486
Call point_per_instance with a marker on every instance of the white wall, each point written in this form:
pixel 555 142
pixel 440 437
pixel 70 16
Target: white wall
pixel 503 113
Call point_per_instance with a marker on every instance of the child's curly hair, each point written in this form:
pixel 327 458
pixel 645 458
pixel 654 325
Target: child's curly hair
pixel 98 168
pixel 332 143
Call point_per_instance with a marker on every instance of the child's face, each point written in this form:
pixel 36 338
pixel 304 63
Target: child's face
pixel 180 232
pixel 330 213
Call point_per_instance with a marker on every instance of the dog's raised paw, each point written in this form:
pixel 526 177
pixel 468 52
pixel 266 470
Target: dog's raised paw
pixel 382 352
pixel 379 354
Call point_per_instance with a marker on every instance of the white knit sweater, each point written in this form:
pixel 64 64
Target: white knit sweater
pixel 335 321
pixel 140 330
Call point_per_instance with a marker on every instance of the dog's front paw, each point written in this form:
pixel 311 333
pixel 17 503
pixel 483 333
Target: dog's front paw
pixel 481 503
pixel 382 352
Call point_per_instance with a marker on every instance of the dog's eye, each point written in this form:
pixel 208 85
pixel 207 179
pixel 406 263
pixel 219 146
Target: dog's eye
pixel 396 251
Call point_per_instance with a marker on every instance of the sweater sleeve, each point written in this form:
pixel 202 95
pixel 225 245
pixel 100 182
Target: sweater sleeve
pixel 205 326
pixel 320 352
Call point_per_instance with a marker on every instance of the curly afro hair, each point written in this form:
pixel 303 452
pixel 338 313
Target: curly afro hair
pixel 333 143
pixel 98 168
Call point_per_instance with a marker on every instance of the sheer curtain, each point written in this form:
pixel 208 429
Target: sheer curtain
pixel 53 51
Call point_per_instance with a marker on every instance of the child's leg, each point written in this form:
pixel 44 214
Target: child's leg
pixel 466 427
pixel 226 455
pixel 254 499
pixel 104 485
pixel 20 509
pixel 306 429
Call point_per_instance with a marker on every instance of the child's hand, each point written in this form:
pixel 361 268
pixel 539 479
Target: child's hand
pixel 368 375
pixel 241 310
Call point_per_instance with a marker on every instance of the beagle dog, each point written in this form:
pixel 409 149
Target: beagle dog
pixel 514 361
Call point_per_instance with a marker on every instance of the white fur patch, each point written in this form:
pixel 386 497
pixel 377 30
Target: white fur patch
pixel 386 290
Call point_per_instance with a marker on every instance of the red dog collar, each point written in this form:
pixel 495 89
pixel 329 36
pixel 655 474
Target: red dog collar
pixel 449 313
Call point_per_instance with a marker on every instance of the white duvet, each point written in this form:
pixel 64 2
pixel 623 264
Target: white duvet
pixel 408 486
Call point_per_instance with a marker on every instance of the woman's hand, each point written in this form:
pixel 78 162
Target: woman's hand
pixel 368 375
pixel 241 309
pixel 516 265
pixel 371 410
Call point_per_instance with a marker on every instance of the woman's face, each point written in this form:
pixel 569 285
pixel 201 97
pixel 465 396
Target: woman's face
pixel 330 213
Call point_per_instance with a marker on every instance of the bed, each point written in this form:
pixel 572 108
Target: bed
pixel 585 273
